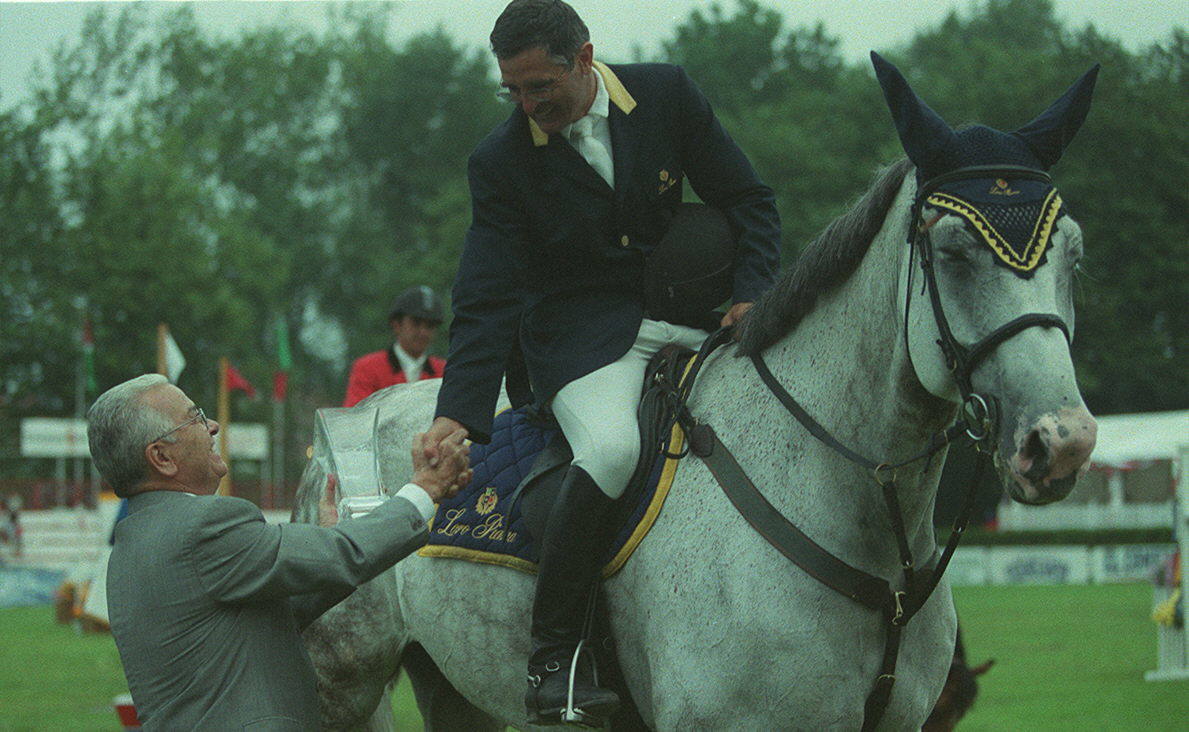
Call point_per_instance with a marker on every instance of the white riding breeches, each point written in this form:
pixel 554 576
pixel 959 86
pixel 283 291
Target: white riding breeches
pixel 597 412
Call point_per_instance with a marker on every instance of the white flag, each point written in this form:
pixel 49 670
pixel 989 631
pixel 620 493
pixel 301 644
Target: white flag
pixel 174 360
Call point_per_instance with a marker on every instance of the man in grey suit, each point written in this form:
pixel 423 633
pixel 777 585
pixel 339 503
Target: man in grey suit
pixel 206 600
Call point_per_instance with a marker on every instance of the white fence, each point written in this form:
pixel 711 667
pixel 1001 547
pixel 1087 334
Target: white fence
pixel 69 538
pixel 1056 565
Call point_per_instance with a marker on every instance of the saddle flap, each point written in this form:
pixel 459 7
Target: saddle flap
pixel 539 488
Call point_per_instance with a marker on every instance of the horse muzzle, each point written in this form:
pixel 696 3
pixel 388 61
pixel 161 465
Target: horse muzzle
pixel 1048 456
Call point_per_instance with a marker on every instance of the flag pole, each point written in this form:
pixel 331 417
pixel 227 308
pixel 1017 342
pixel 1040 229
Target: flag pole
pixel 278 451
pixel 162 366
pixel 224 426
pixel 80 392
pixel 280 390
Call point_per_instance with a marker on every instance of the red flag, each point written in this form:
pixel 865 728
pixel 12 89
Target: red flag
pixel 280 384
pixel 89 357
pixel 235 380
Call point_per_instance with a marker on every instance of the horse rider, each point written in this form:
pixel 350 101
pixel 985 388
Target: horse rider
pixel 570 194
pixel 414 320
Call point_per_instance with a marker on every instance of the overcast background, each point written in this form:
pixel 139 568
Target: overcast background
pixel 29 31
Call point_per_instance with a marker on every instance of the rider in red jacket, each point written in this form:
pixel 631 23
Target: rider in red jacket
pixel 415 318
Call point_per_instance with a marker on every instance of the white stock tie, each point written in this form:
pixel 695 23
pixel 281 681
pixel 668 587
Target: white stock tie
pixel 590 147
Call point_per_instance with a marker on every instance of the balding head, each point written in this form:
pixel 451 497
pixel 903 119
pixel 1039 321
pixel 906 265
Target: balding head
pixel 119 425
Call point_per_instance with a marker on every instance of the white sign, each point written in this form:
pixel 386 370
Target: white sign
pixel 1129 562
pixel 247 441
pixel 48 437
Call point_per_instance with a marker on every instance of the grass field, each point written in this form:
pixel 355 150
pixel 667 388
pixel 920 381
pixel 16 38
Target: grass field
pixel 1067 658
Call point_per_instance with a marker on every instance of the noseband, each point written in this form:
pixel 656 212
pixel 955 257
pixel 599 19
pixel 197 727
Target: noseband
pixel 962 360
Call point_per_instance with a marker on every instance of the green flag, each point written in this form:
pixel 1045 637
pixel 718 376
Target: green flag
pixel 284 359
pixel 280 378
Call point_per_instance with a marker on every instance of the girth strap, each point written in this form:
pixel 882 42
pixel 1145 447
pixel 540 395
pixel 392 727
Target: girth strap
pixel 866 589
pixel 897 607
pixel 873 592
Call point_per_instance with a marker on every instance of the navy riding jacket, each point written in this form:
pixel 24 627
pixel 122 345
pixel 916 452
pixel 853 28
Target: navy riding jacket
pixel 554 257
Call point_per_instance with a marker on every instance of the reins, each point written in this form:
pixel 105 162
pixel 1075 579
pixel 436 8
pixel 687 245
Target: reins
pixel 976 422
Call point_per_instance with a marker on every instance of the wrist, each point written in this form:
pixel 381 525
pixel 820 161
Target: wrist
pixel 425 480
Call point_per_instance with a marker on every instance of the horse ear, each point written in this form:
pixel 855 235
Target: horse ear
pixel 1054 128
pixel 923 133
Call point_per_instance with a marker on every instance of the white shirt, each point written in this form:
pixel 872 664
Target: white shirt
pixel 416 495
pixel 411 366
pixel 591 135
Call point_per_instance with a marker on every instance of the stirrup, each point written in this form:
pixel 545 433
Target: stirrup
pixel 569 713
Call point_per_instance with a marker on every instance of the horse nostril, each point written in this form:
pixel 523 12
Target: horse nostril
pixel 1035 454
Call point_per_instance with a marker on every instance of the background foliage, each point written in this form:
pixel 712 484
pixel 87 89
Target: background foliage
pixel 159 175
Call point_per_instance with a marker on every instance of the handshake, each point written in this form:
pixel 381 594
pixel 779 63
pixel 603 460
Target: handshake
pixel 443 468
pixel 440 470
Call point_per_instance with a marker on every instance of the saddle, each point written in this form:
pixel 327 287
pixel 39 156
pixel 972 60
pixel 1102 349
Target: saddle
pixel 518 475
pixel 663 396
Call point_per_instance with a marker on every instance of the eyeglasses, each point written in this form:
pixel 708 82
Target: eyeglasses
pixel 200 417
pixel 535 93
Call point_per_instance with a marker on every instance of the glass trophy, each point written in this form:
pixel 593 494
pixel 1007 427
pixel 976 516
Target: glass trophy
pixel 351 454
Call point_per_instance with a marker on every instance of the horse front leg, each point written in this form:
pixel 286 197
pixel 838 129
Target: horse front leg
pixel 355 649
pixel 442 707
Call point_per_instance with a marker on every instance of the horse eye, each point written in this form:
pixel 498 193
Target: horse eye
pixel 954 253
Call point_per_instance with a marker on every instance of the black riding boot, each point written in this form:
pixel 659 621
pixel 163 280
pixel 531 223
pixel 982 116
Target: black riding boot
pixel 576 539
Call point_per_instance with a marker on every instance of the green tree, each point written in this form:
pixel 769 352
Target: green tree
pixel 813 126
pixel 1123 179
pixel 410 117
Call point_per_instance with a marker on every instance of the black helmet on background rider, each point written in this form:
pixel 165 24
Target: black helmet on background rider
pixel 419 302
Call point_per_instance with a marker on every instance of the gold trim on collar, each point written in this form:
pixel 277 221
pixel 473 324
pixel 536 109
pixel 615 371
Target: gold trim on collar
pixel 1035 248
pixel 616 91
pixel 540 139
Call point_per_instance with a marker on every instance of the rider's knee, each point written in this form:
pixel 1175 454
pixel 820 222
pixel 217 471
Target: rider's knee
pixel 611 467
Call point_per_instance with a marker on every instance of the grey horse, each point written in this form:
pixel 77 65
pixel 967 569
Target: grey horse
pixel 713 626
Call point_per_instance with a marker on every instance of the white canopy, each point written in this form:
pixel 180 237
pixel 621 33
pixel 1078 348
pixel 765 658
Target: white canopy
pixel 1123 438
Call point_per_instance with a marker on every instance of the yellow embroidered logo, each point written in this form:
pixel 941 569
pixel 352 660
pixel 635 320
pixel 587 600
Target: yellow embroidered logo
pixel 487 501
pixel 1001 188
pixel 667 182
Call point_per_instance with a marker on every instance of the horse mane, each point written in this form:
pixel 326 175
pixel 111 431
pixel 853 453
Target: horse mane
pixel 826 263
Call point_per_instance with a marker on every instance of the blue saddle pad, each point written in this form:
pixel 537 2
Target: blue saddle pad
pixel 479 525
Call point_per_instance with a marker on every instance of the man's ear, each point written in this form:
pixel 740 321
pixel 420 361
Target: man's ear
pixel 159 461
pixel 585 55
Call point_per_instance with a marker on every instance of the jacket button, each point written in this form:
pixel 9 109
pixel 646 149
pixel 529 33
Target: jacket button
pixel 624 241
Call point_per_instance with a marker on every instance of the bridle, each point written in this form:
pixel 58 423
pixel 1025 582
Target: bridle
pixel 962 360
pixel 976 422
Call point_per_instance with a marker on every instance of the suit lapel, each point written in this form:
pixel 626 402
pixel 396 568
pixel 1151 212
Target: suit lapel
pixel 625 136
pixel 569 163
pixel 559 155
pixel 625 132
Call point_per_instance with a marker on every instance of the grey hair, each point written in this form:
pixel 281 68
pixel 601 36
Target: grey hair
pixel 118 429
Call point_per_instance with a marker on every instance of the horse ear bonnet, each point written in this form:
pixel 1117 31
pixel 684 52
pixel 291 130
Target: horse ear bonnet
pixel 1014 217
pixel 1054 128
pixel 936 149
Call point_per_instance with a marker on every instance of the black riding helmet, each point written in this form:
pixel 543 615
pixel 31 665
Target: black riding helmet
pixel 419 302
